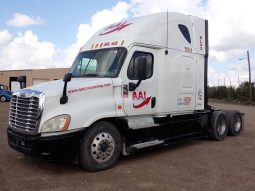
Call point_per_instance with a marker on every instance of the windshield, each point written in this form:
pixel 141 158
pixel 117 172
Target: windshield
pixel 98 63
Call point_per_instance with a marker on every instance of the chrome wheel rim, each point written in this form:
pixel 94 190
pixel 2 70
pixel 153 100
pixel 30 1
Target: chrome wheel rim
pixel 102 147
pixel 237 123
pixel 221 126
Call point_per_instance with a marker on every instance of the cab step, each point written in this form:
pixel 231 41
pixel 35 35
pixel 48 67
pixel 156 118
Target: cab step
pixel 145 144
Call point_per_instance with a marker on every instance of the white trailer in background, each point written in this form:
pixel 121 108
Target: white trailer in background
pixel 136 84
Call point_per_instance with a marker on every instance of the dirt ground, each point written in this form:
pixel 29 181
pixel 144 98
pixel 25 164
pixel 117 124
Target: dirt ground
pixel 197 165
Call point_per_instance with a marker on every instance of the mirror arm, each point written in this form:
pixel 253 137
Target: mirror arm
pixel 64 98
pixel 67 78
pixel 134 86
pixel 138 83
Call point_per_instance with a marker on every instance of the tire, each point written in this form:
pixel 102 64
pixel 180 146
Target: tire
pixel 3 99
pixel 219 126
pixel 100 147
pixel 235 123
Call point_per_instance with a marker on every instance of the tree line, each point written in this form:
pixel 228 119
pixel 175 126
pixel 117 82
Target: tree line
pixel 240 94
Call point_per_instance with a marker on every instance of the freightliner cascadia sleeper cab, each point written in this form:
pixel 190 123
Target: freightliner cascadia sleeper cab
pixel 136 84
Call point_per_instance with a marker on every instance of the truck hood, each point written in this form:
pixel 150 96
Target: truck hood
pixel 55 88
pixel 86 97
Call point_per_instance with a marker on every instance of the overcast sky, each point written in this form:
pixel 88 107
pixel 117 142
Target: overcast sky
pixel 49 33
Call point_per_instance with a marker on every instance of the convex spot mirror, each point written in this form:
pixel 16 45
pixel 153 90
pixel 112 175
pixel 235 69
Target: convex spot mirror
pixel 67 77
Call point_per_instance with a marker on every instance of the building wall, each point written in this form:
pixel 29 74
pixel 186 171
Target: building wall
pixel 44 74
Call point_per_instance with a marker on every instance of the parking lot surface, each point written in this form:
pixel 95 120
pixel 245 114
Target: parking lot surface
pixel 198 165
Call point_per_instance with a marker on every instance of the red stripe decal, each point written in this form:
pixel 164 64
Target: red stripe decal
pixel 145 102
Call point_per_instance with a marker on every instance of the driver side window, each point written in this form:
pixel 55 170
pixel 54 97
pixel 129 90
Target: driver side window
pixel 132 72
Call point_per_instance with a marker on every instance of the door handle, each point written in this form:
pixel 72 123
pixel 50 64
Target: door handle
pixel 153 102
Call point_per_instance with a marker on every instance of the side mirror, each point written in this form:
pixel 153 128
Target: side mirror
pixel 142 62
pixel 141 73
pixel 67 77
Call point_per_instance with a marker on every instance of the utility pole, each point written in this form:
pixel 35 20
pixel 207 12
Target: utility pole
pixel 250 85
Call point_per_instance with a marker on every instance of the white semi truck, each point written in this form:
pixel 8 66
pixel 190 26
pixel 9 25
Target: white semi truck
pixel 137 84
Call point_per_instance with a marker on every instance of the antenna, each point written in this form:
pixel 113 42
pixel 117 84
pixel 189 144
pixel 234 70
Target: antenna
pixel 166 51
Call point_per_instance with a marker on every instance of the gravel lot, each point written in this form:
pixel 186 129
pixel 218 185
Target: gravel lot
pixel 197 165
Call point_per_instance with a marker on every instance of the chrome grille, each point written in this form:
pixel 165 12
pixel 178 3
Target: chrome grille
pixel 25 110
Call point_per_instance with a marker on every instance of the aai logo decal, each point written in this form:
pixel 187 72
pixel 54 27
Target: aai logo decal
pixel 140 96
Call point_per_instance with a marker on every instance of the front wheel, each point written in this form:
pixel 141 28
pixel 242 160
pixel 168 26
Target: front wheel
pixel 101 147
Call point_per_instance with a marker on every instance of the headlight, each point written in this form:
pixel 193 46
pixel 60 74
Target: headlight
pixel 58 123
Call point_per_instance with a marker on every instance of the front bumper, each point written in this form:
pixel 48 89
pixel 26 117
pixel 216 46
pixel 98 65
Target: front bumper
pixel 45 147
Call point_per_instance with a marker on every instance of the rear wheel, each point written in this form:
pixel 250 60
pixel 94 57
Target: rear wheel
pixel 235 123
pixel 100 147
pixel 219 127
pixel 2 98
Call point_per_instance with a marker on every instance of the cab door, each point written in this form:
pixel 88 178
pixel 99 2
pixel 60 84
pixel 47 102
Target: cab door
pixel 143 100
